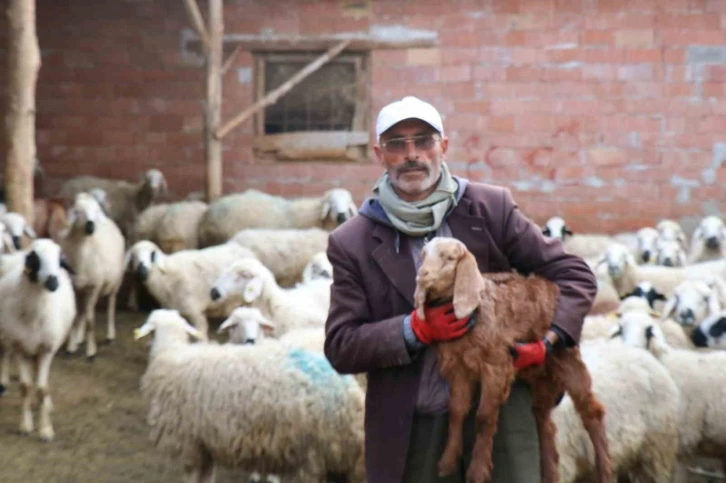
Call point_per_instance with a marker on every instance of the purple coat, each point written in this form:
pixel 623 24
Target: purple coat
pixel 372 291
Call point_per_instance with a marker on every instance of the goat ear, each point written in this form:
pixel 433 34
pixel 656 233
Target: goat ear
pixel 253 289
pixel 419 300
pixel 669 308
pixel 467 285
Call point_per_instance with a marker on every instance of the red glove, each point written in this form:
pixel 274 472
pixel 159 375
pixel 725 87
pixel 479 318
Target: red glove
pixel 440 325
pixel 529 354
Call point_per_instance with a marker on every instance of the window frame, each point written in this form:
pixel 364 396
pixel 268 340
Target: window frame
pixel 345 145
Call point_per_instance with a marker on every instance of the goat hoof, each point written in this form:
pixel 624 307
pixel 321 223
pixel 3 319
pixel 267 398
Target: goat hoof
pixel 446 467
pixel 3 389
pixel 91 358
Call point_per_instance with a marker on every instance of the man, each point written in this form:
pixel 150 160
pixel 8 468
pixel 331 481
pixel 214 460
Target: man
pixel 371 327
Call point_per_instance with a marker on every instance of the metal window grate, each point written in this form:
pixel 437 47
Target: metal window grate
pixel 324 101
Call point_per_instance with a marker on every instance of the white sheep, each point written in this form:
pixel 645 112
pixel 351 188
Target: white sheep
pixel 702 384
pixel 649 293
pixel 641 405
pixel 183 280
pixel 646 245
pixel 286 252
pixel 285 308
pixel 94 247
pixel 691 302
pixel 125 199
pixel 36 314
pixel 708 241
pixel 245 325
pixel 18 226
pixel 626 274
pixel 585 245
pixel 177 228
pixel 263 408
pixel 255 209
pixel 671 230
pixel 147 222
pixel 670 253
pixel 319 267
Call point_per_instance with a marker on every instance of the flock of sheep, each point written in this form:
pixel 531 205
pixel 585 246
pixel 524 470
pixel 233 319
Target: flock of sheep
pixel 256 263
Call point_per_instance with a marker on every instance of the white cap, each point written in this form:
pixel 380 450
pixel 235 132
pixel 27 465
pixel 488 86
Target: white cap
pixel 408 108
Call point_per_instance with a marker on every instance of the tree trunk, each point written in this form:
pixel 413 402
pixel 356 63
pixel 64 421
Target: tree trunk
pixel 23 66
pixel 213 115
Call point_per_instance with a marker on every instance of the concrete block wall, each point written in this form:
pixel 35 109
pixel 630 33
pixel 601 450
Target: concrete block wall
pixel 610 113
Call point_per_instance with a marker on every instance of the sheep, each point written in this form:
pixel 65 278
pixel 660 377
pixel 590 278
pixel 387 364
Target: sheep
pixel 17 226
pixel 670 253
pixel 709 333
pixel 319 267
pixel 285 252
pixel 245 325
pixel 264 408
pixel 645 251
pixel 255 209
pixel 177 228
pixel 642 404
pixel 285 308
pixel 509 308
pixel 147 222
pixel 691 302
pixel 626 274
pixel 699 377
pixel 183 280
pixel 584 245
pixel 94 247
pixel 671 230
pixel 125 200
pixel 36 315
pixel 646 291
pixel 708 241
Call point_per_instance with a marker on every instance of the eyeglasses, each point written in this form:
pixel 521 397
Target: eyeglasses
pixel 422 142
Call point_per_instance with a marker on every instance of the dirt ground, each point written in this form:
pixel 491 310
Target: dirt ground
pixel 99 420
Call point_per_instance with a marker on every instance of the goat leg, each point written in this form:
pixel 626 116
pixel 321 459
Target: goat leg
pixel 546 430
pixel 460 402
pixel 579 386
pixel 495 391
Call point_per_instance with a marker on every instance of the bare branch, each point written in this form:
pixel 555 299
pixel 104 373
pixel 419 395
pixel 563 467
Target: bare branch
pixel 197 22
pixel 230 59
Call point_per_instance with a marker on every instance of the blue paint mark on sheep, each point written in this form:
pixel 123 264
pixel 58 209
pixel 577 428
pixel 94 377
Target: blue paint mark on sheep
pixel 319 372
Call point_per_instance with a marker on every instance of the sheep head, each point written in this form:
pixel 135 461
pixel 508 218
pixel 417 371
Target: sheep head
pixel 43 263
pixel 153 183
pixel 318 267
pixel 17 226
pixel 638 329
pixel 170 328
pixel 338 206
pixel 670 253
pixel 691 302
pixel 556 228
pixel 142 257
pixel 711 332
pixel 246 278
pixel 448 271
pixel 617 258
pixel 647 292
pixel 647 238
pixel 671 230
pixel 86 212
pixel 246 325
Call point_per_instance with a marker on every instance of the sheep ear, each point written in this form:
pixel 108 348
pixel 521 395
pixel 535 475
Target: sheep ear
pixel 467 285
pixel 714 305
pixel 8 242
pixel 227 324
pixel 143 331
pixel 253 289
pixel 696 248
pixel 127 260
pixel 191 330
pixel 566 231
pixel 353 209
pixel 670 306
pixel 160 261
pixel 267 327
pixel 325 209
pixel 28 230
pixel 615 331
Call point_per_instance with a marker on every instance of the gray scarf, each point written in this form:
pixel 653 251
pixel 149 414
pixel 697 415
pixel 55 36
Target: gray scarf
pixel 420 217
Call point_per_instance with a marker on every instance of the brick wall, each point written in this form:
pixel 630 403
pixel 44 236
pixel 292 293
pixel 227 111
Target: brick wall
pixel 610 113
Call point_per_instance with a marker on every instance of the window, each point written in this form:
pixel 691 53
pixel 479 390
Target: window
pixel 325 116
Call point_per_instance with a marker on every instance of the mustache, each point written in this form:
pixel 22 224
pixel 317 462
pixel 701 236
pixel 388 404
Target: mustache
pixel 411 165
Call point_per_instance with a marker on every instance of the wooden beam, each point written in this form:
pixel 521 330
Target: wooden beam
pixel 213 112
pixel 273 96
pixel 23 64
pixel 195 16
pixel 230 59
pixel 380 38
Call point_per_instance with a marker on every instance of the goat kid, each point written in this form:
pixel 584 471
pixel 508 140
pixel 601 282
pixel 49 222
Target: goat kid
pixel 509 308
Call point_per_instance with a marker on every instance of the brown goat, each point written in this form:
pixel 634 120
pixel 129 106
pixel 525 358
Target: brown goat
pixel 49 217
pixel 510 308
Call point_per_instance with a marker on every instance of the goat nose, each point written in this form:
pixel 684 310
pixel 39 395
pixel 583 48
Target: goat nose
pixel 215 294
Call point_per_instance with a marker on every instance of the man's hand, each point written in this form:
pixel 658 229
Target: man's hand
pixel 440 325
pixel 533 353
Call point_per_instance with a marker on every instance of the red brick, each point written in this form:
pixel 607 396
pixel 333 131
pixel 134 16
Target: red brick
pixel 639 39
pixel 606 157
pixel 455 73
pixel 597 37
